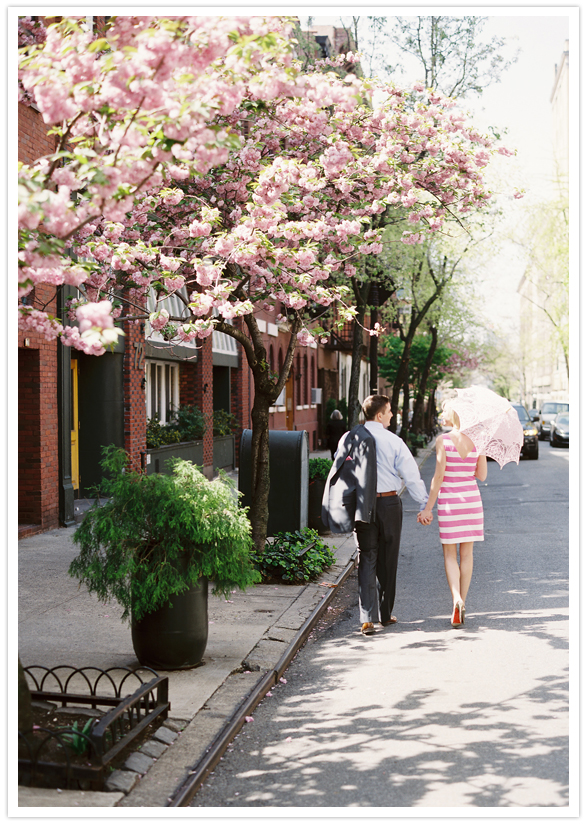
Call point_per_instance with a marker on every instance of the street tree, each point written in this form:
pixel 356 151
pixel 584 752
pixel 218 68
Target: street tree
pixel 456 59
pixel 453 54
pixel 253 199
pixel 545 242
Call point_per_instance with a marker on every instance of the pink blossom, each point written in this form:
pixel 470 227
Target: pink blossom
pixel 159 319
pixel 305 339
pixel 172 197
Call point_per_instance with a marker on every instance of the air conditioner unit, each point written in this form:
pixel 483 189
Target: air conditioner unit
pixel 317 395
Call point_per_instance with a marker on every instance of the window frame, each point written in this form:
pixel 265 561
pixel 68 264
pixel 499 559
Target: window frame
pixel 161 399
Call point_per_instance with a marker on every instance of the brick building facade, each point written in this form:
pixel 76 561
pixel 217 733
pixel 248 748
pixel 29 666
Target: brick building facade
pixel 72 404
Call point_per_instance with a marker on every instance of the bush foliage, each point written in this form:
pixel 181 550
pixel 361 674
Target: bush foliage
pixel 187 424
pixel 295 557
pixel 224 423
pixel 319 467
pixel 129 546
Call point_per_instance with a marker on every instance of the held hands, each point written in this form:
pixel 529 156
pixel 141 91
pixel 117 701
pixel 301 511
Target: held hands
pixel 425 517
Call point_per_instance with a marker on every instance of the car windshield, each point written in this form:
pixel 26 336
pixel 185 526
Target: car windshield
pixel 562 420
pixel 522 414
pixel 552 407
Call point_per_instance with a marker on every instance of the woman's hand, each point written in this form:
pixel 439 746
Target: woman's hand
pixel 425 517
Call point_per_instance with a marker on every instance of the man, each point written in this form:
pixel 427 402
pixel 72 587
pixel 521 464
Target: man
pixel 362 494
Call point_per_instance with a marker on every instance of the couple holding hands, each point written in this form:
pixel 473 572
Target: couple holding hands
pixel 362 495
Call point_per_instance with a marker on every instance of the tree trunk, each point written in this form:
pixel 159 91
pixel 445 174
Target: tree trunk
pixel 418 417
pixel 260 481
pixel 417 316
pixel 400 377
pixel 406 411
pixel 266 392
pixel 354 404
pixel 431 410
pixel 373 343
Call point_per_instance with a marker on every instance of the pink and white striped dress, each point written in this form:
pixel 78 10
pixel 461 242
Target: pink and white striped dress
pixel 460 509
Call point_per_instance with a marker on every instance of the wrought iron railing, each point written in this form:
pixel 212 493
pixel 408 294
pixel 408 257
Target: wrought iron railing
pixel 91 687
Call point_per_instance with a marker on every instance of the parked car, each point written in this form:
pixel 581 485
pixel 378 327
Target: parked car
pixel 534 414
pixel 530 445
pixel 549 411
pixel 559 430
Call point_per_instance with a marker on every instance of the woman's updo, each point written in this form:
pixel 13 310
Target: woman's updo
pixel 450 415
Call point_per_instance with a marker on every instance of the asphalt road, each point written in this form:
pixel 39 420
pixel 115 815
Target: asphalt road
pixel 421 714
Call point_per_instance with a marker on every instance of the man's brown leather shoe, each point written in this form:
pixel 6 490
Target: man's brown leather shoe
pixel 391 620
pixel 368 629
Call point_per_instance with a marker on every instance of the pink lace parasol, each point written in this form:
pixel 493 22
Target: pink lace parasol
pixel 491 423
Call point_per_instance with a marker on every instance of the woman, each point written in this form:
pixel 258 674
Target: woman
pixel 335 429
pixel 460 509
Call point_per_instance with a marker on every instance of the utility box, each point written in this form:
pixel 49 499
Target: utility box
pixel 289 454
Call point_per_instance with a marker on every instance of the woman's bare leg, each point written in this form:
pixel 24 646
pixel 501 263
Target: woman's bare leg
pixel 453 573
pixel 466 567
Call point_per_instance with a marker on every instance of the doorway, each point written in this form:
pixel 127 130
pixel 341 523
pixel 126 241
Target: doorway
pixel 74 427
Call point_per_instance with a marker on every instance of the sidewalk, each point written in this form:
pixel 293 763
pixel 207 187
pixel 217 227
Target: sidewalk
pixel 252 638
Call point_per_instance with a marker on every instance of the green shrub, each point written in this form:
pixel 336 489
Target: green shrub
pixel 190 423
pixel 129 546
pixel 295 557
pixel 187 424
pixel 224 423
pixel 319 467
pixel 159 435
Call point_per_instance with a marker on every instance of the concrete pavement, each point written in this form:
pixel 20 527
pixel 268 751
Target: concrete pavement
pixel 423 715
pixel 252 637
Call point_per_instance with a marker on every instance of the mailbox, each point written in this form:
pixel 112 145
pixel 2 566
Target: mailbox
pixel 289 454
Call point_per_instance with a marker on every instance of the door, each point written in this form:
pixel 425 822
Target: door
pixel 74 426
pixel 289 402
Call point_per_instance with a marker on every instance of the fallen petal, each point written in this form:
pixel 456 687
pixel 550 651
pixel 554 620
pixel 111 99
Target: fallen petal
pixel 249 719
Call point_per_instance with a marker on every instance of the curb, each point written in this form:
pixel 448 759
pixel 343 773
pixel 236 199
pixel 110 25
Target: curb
pixel 184 795
pixel 198 774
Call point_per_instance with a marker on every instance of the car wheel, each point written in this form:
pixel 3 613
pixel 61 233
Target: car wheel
pixel 534 456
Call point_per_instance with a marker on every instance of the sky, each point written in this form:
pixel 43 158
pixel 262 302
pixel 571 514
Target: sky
pixel 520 104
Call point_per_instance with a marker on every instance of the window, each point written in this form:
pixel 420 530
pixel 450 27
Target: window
pixel 162 392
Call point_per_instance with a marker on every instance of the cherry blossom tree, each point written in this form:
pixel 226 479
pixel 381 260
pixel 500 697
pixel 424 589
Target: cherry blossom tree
pixel 250 186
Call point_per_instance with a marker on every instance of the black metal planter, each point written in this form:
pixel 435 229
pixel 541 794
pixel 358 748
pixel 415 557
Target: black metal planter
pixel 175 636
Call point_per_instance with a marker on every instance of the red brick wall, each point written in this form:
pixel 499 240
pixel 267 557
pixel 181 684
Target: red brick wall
pixel 187 383
pixel 33 141
pixel 38 465
pixel 135 413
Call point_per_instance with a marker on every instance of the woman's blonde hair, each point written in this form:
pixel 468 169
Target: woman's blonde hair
pixel 449 413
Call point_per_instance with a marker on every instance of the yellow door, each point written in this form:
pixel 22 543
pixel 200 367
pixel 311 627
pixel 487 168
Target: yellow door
pixel 289 402
pixel 74 427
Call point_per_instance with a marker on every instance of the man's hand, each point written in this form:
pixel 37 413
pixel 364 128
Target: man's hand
pixel 425 517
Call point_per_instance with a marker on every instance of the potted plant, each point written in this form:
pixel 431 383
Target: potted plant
pixel 318 469
pixel 153 545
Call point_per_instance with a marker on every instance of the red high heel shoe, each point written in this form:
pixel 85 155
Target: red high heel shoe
pixel 457 614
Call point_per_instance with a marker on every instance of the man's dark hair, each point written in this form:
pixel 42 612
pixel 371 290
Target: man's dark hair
pixel 374 404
